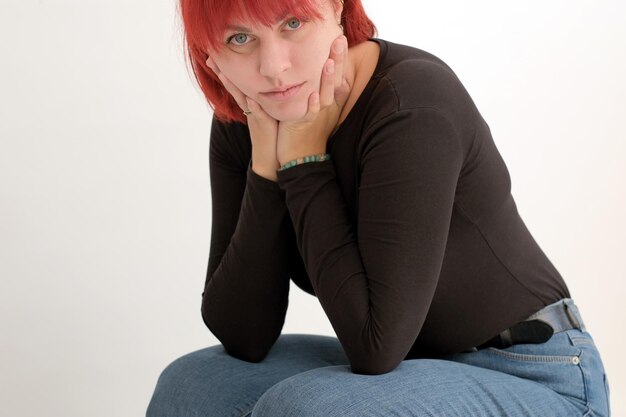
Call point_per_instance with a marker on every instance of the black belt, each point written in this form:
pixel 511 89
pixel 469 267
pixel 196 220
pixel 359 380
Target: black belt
pixel 539 327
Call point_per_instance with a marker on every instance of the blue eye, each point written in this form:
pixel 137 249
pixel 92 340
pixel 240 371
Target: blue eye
pixel 295 21
pixel 240 39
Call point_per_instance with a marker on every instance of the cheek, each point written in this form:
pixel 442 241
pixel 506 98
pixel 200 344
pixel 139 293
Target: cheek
pixel 320 54
pixel 237 74
pixel 314 63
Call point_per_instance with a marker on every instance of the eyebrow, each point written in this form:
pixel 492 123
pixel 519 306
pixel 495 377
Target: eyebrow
pixel 238 28
pixel 245 29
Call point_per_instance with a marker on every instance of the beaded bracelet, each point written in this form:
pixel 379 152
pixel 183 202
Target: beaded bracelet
pixel 305 159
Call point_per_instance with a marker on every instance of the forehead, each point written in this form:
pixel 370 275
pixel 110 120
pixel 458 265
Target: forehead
pixel 235 25
pixel 269 12
pixel 242 15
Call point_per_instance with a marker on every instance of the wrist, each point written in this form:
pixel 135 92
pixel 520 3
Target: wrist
pixel 320 157
pixel 267 173
pixel 284 157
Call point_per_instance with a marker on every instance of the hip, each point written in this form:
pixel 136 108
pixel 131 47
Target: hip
pixel 568 363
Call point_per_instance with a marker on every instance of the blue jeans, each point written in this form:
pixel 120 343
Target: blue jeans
pixel 309 375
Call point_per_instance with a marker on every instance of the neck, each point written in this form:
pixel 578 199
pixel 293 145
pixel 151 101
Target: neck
pixel 352 63
pixel 353 75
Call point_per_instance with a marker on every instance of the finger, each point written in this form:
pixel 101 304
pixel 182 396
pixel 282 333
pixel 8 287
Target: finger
pixel 342 93
pixel 339 53
pixel 313 107
pixel 327 84
pixel 257 111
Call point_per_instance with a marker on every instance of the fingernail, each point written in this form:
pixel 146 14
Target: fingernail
pixel 331 67
pixel 339 47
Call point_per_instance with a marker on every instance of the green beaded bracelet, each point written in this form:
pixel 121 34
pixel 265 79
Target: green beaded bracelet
pixel 305 159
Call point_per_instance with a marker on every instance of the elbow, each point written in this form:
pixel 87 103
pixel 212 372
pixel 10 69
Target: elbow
pixel 246 353
pixel 250 346
pixel 243 348
pixel 374 364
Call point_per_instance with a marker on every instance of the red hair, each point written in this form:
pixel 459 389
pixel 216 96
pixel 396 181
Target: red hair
pixel 204 23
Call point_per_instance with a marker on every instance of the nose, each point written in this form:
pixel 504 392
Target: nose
pixel 274 58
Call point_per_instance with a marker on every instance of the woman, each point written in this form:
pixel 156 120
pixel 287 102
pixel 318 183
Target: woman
pixel 400 220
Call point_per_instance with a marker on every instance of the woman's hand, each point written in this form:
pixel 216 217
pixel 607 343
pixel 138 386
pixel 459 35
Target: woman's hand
pixel 263 128
pixel 275 143
pixel 308 136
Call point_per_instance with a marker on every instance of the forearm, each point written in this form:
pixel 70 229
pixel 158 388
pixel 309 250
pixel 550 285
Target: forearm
pixel 327 240
pixel 374 266
pixel 245 297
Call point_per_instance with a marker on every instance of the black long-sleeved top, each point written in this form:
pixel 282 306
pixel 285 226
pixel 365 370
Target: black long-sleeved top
pixel 409 236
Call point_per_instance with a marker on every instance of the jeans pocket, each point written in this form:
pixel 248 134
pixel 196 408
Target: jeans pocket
pixel 559 349
pixel 555 364
pixel 572 359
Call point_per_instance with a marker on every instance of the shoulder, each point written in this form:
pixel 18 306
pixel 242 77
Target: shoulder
pixel 411 78
pixel 230 143
pixel 221 130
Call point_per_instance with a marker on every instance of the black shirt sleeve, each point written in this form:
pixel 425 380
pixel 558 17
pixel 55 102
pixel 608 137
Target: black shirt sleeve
pixel 376 286
pixel 247 284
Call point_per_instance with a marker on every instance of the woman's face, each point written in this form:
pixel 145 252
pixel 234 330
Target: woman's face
pixel 259 60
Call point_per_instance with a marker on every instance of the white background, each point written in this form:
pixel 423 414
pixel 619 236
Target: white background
pixel 104 182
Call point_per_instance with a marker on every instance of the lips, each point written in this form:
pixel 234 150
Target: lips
pixel 284 93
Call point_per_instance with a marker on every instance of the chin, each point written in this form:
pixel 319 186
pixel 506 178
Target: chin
pixel 289 112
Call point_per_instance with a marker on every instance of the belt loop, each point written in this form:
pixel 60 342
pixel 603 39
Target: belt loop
pixel 506 339
pixel 571 315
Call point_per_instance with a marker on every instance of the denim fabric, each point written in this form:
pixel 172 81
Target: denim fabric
pixel 309 375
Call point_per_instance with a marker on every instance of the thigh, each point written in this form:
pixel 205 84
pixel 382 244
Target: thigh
pixel 562 377
pixel 209 382
pixel 416 388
